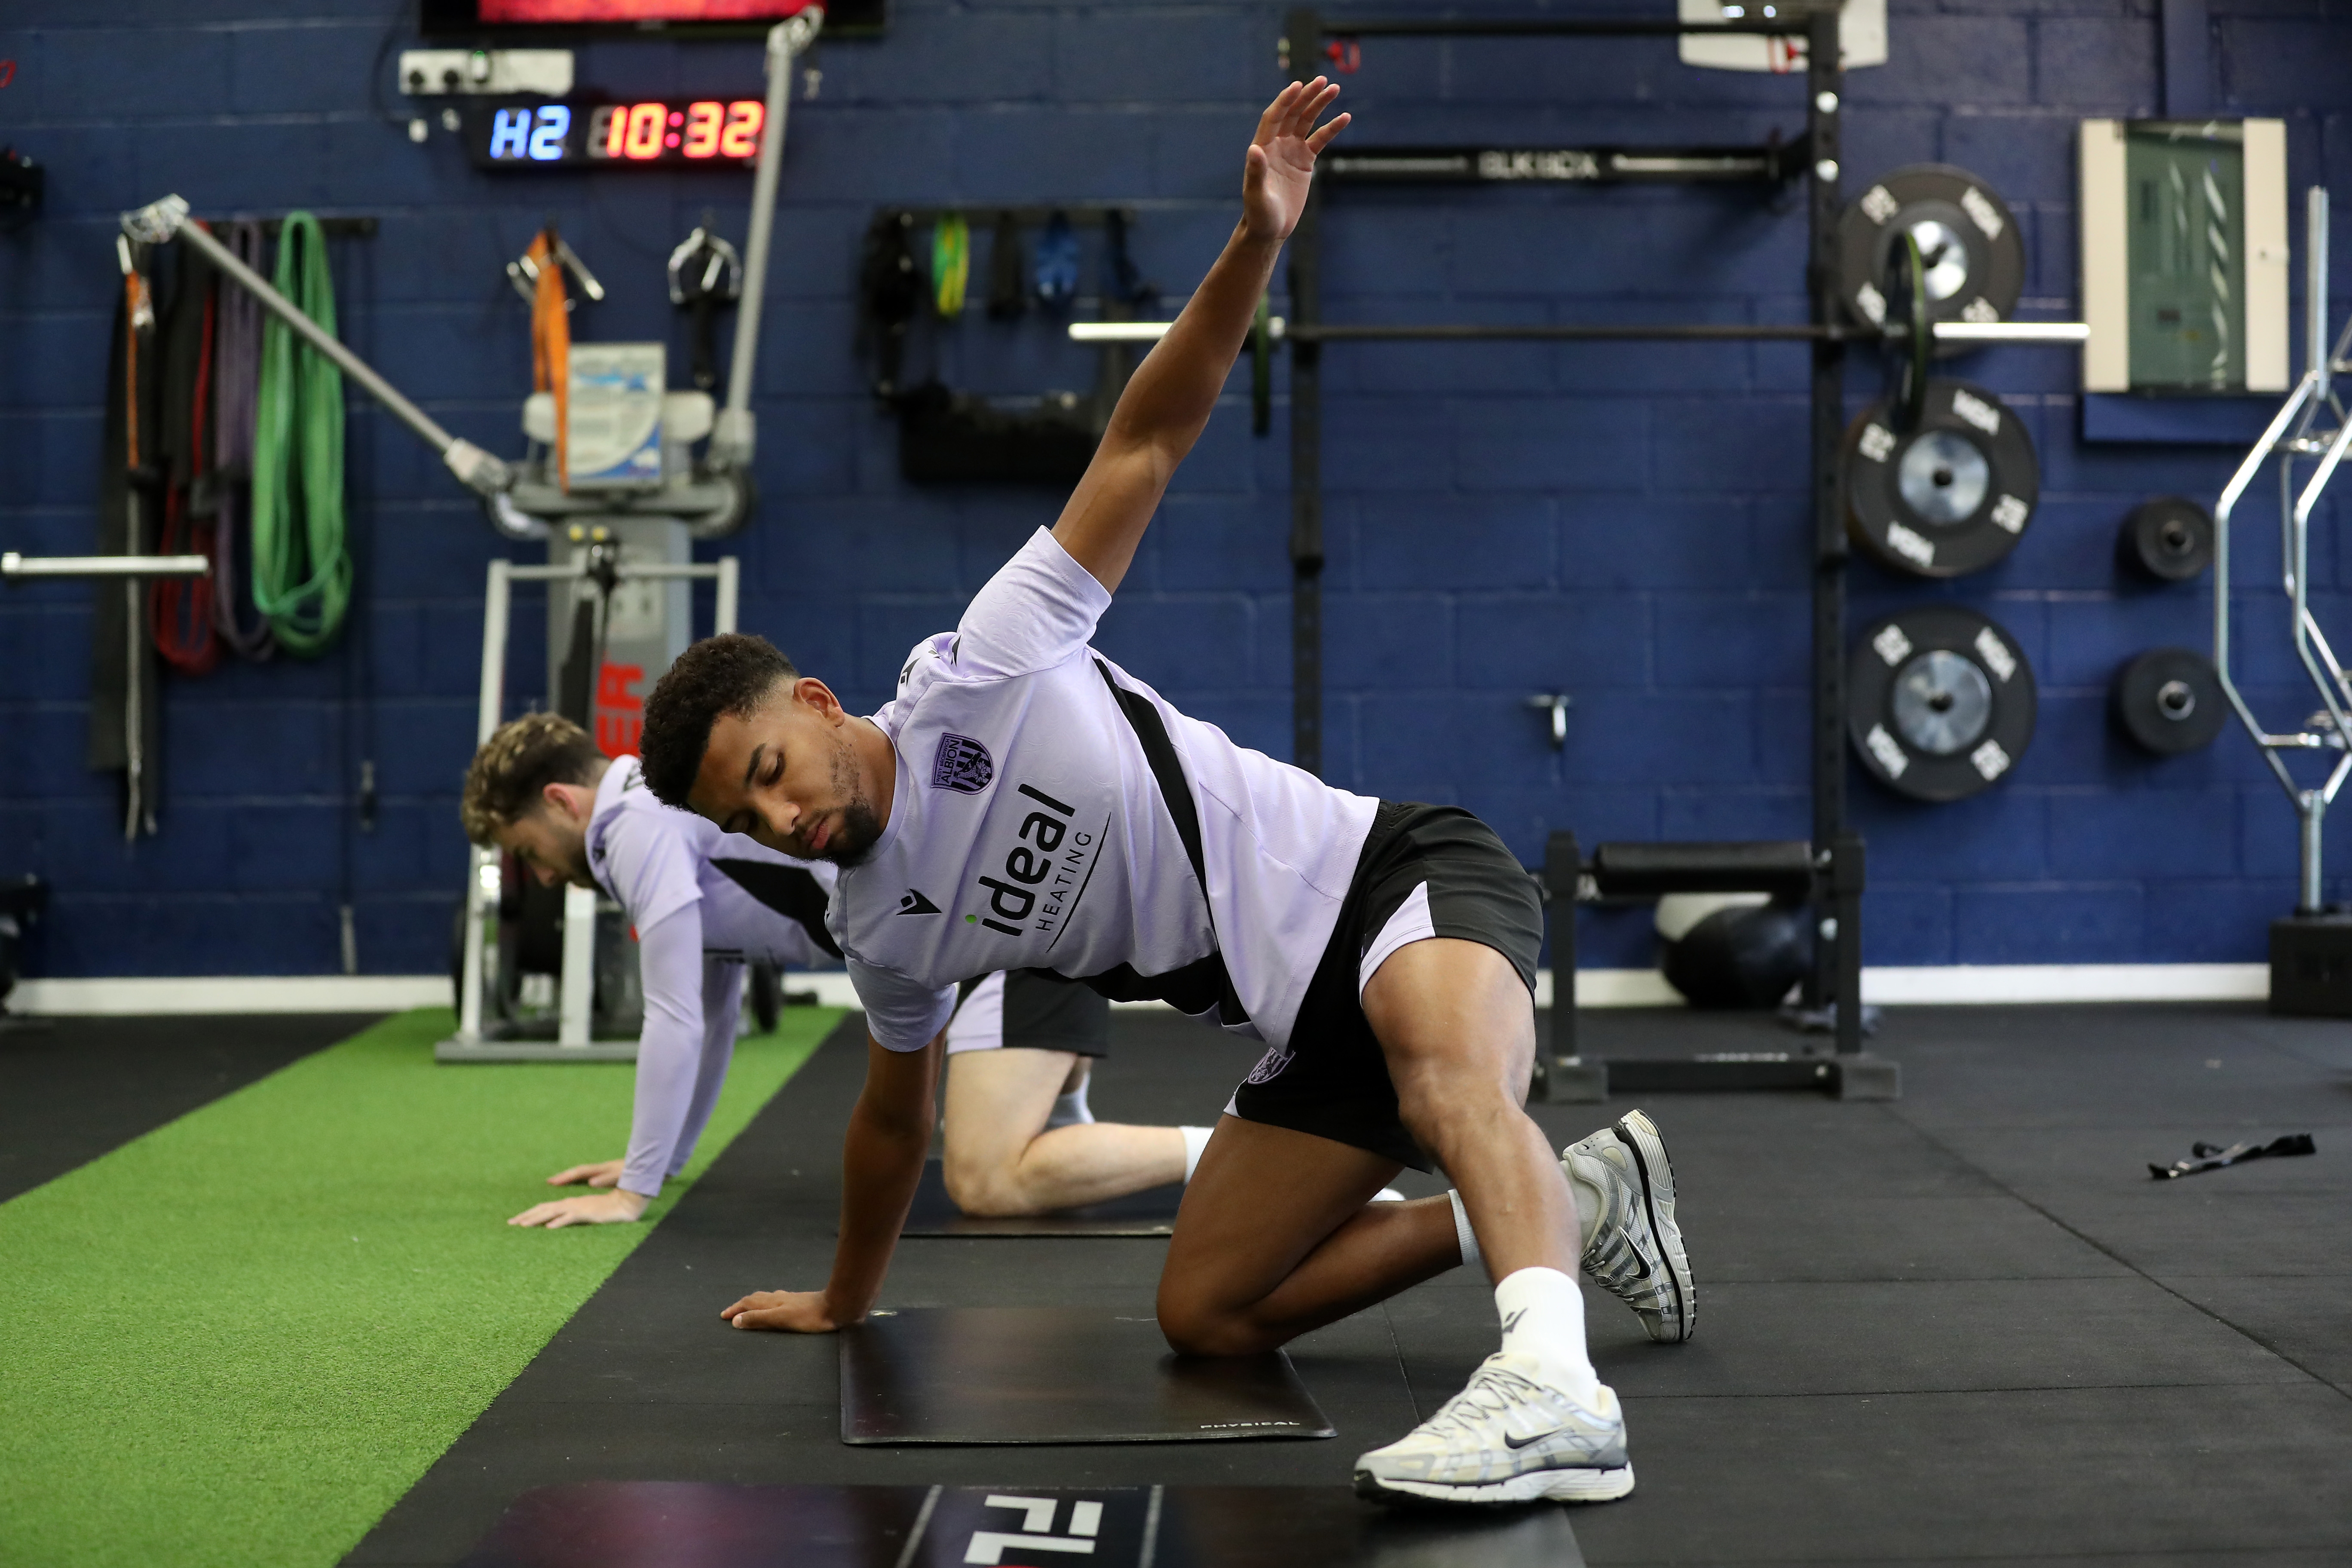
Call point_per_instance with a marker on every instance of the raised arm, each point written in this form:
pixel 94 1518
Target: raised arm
pixel 1168 400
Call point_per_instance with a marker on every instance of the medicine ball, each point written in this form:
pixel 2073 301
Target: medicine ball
pixel 1739 955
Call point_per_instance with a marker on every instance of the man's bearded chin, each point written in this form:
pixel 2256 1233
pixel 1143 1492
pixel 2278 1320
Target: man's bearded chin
pixel 860 824
pixel 854 841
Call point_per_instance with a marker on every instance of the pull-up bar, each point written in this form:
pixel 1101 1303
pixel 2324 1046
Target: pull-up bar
pixel 1954 333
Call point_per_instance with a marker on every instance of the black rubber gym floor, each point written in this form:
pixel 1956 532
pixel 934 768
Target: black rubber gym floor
pixel 1965 1326
pixel 74 1089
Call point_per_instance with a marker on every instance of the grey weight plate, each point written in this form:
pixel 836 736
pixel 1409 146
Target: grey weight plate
pixel 1974 257
pixel 1952 495
pixel 1940 702
pixel 2168 700
pixel 2169 539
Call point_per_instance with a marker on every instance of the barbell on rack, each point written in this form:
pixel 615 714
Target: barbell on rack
pixel 1949 337
pixel 1947 334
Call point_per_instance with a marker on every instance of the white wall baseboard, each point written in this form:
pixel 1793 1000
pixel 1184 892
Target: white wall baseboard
pixel 230 994
pixel 1940 986
pixel 1965 983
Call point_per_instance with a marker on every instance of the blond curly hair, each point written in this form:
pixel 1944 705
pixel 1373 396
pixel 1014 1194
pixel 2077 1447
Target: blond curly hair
pixel 519 760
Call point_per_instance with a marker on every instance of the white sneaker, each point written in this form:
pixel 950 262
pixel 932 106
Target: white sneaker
pixel 1509 1437
pixel 1635 1248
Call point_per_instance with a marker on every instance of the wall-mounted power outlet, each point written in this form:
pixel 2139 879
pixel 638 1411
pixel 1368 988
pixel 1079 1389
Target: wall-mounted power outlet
pixel 440 73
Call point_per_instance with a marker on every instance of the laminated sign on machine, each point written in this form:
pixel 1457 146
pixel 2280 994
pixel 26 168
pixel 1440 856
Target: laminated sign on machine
pixel 614 432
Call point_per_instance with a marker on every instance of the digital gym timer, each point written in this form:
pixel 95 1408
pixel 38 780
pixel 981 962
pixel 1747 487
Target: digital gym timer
pixel 542 133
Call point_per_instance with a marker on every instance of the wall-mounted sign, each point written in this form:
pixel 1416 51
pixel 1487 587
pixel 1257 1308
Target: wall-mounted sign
pixel 2184 256
pixel 553 133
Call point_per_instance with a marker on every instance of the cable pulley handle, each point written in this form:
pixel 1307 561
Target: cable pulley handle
pixel 159 222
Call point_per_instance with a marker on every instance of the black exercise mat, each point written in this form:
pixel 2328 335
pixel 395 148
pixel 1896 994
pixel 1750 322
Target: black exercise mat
pixel 690 1524
pixel 1151 1212
pixel 1056 1374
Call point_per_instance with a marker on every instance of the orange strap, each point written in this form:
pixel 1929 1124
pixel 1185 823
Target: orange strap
pixel 551 346
pixel 136 307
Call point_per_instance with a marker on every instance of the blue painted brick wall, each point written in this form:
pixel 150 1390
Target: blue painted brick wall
pixel 1627 522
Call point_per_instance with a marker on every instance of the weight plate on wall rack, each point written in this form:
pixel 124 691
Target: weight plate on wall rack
pixel 2169 539
pixel 2168 700
pixel 1968 237
pixel 1939 702
pixel 1950 497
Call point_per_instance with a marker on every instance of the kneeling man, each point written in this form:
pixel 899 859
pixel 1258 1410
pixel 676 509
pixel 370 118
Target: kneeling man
pixel 1024 802
pixel 1019 1137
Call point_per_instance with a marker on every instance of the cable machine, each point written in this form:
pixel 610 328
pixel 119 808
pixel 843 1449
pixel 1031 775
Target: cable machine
pixel 599 541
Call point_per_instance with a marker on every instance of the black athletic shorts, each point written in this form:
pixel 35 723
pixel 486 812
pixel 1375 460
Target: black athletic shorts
pixel 1034 1009
pixel 1333 1080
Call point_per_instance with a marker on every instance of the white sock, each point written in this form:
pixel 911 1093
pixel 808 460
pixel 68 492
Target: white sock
pixel 1070 1110
pixel 1543 1317
pixel 1463 1235
pixel 1195 1140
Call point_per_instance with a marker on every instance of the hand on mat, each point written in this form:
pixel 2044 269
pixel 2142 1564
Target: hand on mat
pixel 601 1174
pixel 615 1207
pixel 786 1311
pixel 1280 162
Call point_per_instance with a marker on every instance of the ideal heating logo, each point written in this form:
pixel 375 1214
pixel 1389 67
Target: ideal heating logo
pixel 1046 866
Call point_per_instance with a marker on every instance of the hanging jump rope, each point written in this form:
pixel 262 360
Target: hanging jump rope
pixel 301 569
pixel 236 374
pixel 179 610
pixel 950 264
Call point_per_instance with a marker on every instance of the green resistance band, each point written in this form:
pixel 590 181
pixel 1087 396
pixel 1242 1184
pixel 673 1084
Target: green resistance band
pixel 950 264
pixel 301 571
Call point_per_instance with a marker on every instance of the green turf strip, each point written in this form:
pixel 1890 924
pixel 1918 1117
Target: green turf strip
pixel 241 1338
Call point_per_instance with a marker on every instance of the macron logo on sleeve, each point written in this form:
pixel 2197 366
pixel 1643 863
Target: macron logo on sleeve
pixel 914 903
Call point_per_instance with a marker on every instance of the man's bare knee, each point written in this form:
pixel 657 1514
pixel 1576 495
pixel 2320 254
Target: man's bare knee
pixel 1435 1107
pixel 983 1189
pixel 1194 1327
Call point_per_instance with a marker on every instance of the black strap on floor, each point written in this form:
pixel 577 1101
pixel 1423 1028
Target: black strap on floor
pixel 2213 1156
pixel 787 889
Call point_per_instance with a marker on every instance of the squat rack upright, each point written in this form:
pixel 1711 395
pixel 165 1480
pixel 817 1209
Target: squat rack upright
pixel 1827 869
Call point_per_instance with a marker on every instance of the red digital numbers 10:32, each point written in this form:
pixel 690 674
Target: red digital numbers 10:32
pixel 644 132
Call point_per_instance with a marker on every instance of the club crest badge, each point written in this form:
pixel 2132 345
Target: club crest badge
pixel 961 764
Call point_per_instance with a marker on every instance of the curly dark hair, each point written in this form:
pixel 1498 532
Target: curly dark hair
pixel 520 759
pixel 731 673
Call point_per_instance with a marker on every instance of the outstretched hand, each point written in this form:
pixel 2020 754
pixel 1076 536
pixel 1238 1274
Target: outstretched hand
pixel 1280 163
pixel 619 1206
pixel 601 1173
pixel 784 1311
